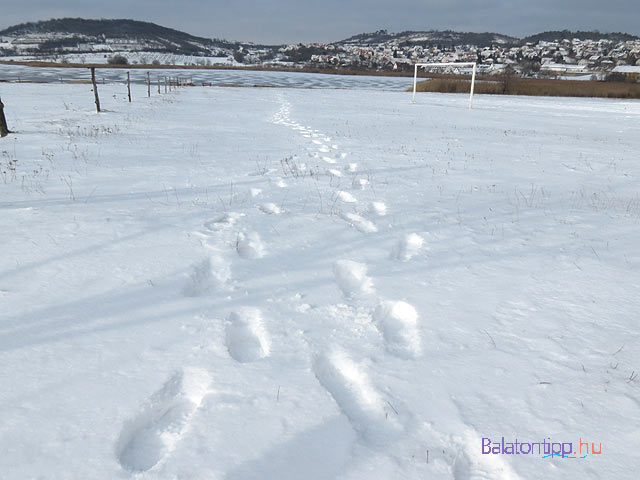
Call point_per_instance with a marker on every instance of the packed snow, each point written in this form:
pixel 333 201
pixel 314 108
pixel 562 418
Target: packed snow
pixel 251 283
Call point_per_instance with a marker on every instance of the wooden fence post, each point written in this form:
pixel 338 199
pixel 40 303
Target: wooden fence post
pixel 95 88
pixel 4 130
pixel 129 86
pixel 148 85
pixel 158 85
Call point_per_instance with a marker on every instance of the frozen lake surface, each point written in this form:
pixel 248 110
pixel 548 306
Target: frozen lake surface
pixel 15 73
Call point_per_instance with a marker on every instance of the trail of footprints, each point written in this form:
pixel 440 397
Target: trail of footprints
pixel 165 418
pixel 323 149
pixel 151 435
pixel 397 321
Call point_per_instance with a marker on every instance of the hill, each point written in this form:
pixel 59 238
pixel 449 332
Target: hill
pixel 80 35
pixel 556 35
pixel 432 38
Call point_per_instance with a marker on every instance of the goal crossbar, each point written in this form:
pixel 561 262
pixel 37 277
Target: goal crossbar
pixel 446 64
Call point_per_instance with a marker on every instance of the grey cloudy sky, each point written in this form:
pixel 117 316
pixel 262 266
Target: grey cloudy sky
pixel 291 21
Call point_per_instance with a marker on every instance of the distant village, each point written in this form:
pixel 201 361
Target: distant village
pixel 569 56
pixel 372 52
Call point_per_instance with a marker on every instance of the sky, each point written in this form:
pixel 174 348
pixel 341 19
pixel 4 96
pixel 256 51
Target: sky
pixel 293 21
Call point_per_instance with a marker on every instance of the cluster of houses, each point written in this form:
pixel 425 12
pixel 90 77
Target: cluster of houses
pixel 559 57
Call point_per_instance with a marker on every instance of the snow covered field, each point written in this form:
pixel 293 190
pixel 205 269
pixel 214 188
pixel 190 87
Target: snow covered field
pixel 250 283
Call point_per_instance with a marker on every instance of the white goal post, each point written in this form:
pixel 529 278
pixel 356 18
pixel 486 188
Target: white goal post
pixel 449 64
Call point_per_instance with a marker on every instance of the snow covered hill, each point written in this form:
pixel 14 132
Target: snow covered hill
pixel 245 283
pixel 80 40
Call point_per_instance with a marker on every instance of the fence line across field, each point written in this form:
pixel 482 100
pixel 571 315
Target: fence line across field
pixel 446 64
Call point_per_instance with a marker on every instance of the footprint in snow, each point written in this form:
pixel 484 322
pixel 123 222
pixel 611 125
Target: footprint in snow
pixel 250 245
pixel 378 208
pixel 351 389
pixel 345 197
pixel 155 432
pixel 362 224
pixel 398 323
pixel 407 247
pixel 223 221
pixel 210 274
pixel 270 208
pixel 246 337
pixel 352 278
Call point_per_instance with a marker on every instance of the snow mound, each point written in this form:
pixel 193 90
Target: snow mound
pixel 398 322
pixel 246 338
pixel 352 278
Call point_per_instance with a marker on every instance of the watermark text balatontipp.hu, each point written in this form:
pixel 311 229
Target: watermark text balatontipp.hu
pixel 544 449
